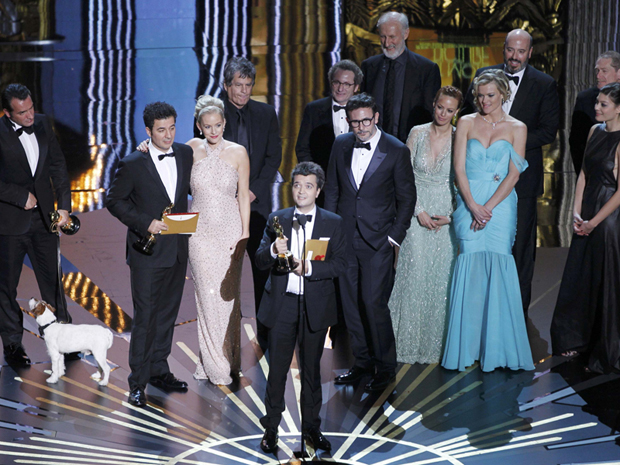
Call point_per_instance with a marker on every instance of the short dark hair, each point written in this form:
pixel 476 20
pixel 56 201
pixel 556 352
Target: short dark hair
pixel 346 65
pixel 612 91
pixel 362 100
pixel 18 91
pixel 157 110
pixel 306 168
pixel 240 65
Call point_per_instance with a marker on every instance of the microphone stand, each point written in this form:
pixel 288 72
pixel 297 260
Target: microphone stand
pixel 301 305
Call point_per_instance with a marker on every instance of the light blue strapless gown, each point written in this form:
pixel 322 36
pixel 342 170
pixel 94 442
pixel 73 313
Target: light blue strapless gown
pixel 486 313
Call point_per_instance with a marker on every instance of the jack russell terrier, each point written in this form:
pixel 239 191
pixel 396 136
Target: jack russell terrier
pixel 66 338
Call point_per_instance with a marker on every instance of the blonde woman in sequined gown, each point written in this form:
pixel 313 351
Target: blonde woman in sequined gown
pixel 220 188
pixel 419 301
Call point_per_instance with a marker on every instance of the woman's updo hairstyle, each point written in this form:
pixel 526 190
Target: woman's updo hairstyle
pixel 450 91
pixel 206 104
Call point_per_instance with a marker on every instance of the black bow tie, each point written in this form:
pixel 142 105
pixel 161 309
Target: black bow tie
pixel 308 217
pixel 164 155
pixel 337 108
pixel 514 79
pixel 26 129
pixel 362 145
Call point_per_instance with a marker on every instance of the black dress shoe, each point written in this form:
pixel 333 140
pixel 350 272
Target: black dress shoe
pixel 15 355
pixel 137 397
pixel 269 443
pixel 317 439
pixel 352 375
pixel 380 381
pixel 168 382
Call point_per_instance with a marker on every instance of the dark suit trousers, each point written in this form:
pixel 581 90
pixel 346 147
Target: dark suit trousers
pixel 524 248
pixel 365 291
pixel 156 295
pixel 42 249
pixel 282 338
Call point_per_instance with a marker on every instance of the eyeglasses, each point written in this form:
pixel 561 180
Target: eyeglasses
pixel 365 122
pixel 346 85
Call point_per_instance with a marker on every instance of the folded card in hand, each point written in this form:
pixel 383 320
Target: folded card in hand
pixel 316 249
pixel 181 223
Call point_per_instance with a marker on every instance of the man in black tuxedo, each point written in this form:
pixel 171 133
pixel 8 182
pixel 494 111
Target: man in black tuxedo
pixel 403 83
pixel 533 101
pixel 143 186
pixel 255 126
pixel 325 119
pixel 607 72
pixel 31 161
pixel 370 184
pixel 309 291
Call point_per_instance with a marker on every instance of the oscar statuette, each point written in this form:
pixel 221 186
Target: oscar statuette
pixel 145 245
pixel 286 261
pixel 72 226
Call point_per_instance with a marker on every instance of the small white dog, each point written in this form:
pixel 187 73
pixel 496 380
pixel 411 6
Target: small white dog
pixel 66 338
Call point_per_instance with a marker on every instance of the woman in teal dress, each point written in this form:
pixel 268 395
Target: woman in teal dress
pixel 486 314
pixel 419 301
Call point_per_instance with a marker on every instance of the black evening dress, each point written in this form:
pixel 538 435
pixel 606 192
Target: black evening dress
pixel 587 312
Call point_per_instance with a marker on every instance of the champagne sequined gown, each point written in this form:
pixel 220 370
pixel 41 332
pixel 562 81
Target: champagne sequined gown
pixel 216 274
pixel 419 301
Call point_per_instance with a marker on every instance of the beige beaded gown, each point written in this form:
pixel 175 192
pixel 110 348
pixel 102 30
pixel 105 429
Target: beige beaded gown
pixel 419 301
pixel 216 274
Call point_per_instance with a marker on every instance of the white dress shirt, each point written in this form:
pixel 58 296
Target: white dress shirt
pixel 31 147
pixel 167 169
pixel 339 119
pixel 361 159
pixel 507 105
pixel 295 284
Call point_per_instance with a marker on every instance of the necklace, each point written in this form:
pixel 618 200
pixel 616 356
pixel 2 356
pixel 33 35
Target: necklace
pixel 493 123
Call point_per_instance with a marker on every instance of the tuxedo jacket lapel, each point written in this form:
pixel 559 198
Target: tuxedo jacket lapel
pixel 42 138
pixel 150 167
pixel 325 116
pixel 348 157
pixel 180 174
pixel 286 220
pixel 15 146
pixel 317 230
pixel 373 69
pixel 377 159
pixel 522 94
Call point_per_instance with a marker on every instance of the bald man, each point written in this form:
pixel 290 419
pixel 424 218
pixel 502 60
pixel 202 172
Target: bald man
pixel 534 101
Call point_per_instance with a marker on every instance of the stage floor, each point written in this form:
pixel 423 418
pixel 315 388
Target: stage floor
pixel 555 415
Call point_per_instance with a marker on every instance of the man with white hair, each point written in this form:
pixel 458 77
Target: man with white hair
pixel 403 83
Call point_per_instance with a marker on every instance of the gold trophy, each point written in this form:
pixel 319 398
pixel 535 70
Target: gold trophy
pixel 286 261
pixel 145 245
pixel 72 226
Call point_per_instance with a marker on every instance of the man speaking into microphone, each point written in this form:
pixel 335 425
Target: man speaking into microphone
pixel 302 301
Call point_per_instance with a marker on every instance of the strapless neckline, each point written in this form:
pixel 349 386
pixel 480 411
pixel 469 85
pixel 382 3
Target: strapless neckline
pixel 490 145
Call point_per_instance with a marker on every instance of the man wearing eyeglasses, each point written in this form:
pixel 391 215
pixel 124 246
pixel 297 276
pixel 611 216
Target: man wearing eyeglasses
pixel 370 184
pixel 325 119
